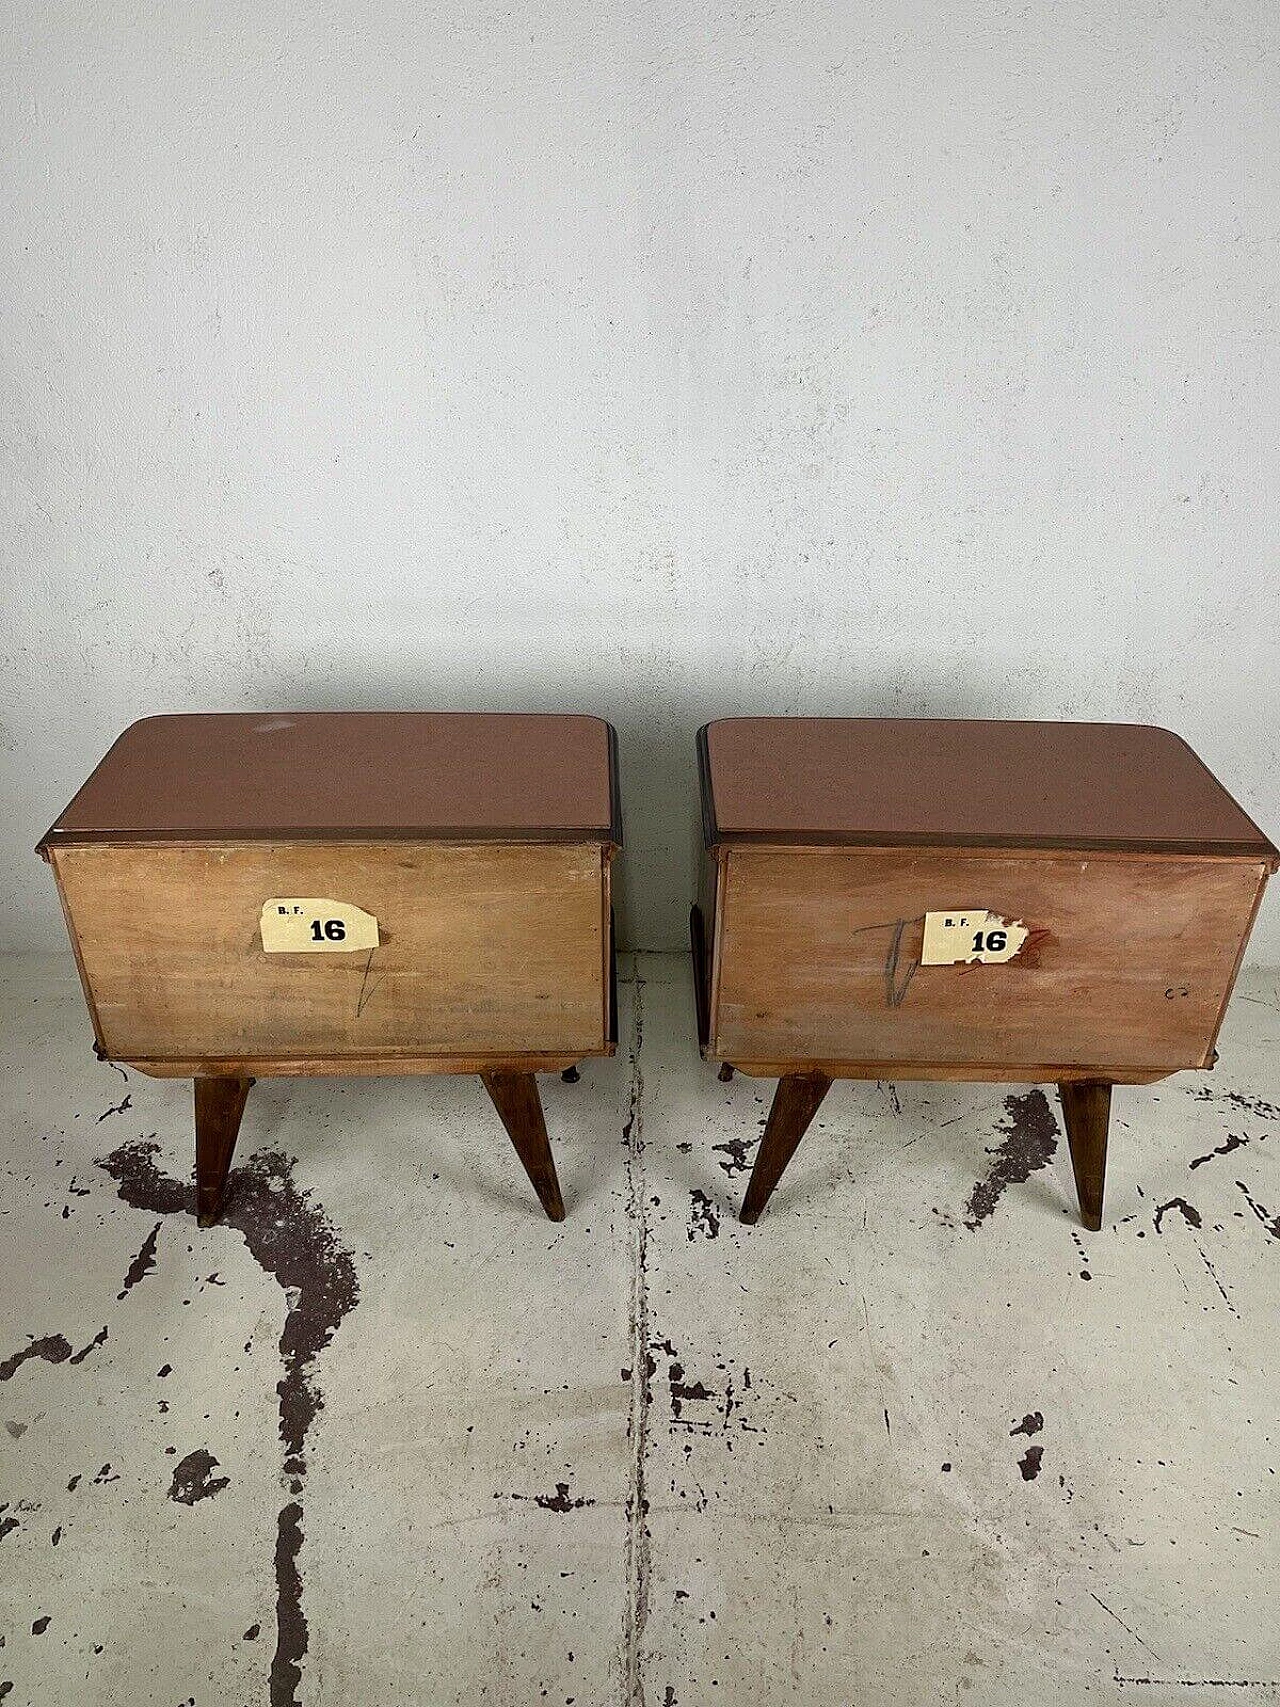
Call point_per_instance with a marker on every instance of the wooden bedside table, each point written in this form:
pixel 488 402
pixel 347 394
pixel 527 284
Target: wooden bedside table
pixel 1088 890
pixel 347 892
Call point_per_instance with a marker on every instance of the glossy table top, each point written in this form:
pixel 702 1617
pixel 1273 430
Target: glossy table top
pixel 944 782
pixel 321 775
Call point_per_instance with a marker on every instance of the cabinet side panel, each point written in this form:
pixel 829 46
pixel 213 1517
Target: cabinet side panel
pixel 702 926
pixel 56 868
pixel 1129 961
pixel 481 948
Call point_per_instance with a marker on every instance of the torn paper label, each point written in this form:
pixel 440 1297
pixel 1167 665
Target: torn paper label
pixel 311 924
pixel 973 934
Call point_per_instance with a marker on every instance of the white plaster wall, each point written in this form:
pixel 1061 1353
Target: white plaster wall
pixel 659 360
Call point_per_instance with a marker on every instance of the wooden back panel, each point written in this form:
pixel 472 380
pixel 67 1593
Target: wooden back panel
pixel 492 949
pixel 1133 970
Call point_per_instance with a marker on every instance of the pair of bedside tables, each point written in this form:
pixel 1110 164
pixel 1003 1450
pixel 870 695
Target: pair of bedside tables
pixel 421 892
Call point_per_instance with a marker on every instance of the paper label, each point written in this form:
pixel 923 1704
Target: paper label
pixel 312 925
pixel 972 935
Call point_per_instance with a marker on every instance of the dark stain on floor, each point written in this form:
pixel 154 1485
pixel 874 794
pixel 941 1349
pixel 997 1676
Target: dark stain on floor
pixel 1271 1223
pixel 53 1348
pixel 1188 1211
pixel 704 1218
pixel 1238 1099
pixel 100 1338
pixel 891 1091
pixel 291 1622
pixel 735 1153
pixel 559 1501
pixel 1085 1272
pixel 715 1409
pixel 193 1478
pixel 142 1264
pixel 1030 1140
pixel 117 1108
pixel 291 1238
pixel 1032 1423
pixel 1216 1279
pixel 1234 1142
pixel 1029 1463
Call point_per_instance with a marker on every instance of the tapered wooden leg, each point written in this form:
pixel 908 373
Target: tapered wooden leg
pixel 219 1106
pixel 1086 1112
pixel 795 1102
pixel 515 1096
pixel 571 1075
pixel 725 1073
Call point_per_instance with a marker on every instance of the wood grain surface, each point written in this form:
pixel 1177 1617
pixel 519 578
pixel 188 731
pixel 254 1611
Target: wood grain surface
pixel 486 951
pixel 1128 964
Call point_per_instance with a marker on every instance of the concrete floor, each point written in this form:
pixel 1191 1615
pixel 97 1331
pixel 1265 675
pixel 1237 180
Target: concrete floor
pixel 389 1435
